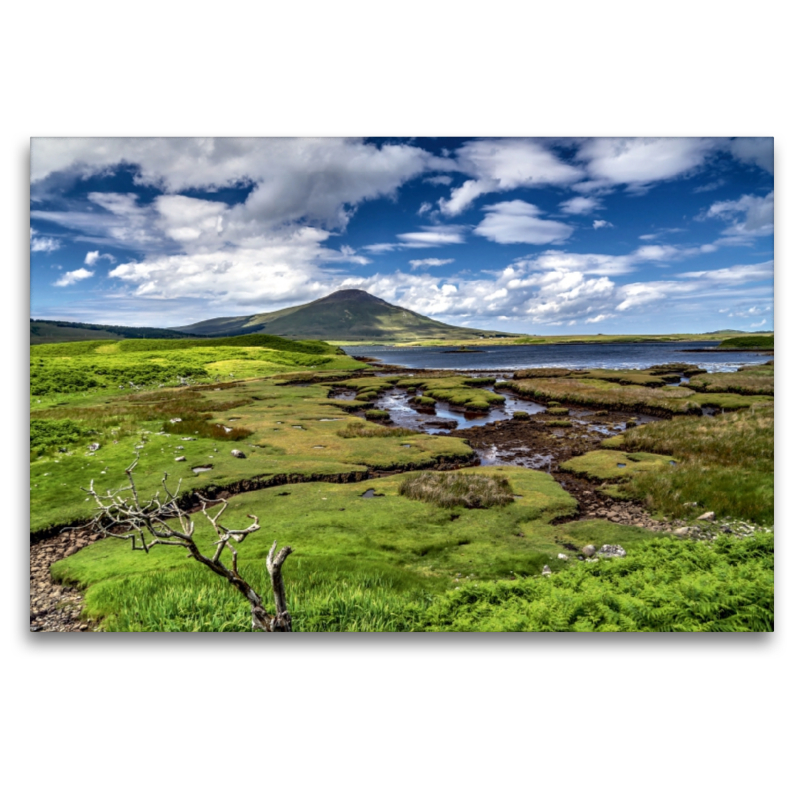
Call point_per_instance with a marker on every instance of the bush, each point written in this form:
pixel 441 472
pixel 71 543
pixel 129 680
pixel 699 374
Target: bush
pixel 458 489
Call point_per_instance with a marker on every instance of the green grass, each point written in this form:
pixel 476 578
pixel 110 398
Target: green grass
pixel 758 379
pixel 615 465
pixel 378 549
pixel 725 464
pixel 287 432
pixel 645 399
pixel 448 490
pixel 763 342
pixel 665 585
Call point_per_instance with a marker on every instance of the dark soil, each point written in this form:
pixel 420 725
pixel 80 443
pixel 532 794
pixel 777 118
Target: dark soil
pixel 531 443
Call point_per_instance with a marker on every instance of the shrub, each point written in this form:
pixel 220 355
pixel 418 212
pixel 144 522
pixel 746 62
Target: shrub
pixel 377 414
pixel 449 489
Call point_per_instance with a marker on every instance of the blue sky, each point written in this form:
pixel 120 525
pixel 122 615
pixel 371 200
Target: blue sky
pixel 551 236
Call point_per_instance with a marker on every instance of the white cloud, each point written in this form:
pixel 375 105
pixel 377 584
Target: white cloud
pixel 755 150
pixel 502 165
pixel 601 223
pixel 439 180
pixel 639 162
pixel 427 236
pixel 580 205
pixel 758 324
pixel 424 208
pixel 517 221
pixel 750 216
pixel 648 237
pixel 430 262
pixel 73 277
pixel 600 318
pixel 94 256
pixel 294 180
pixel 741 273
pixel 44 244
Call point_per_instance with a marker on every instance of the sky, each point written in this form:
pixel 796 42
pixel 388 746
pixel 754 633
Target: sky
pixel 544 236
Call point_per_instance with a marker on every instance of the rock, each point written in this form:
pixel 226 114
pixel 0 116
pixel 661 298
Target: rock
pixel 71 551
pixel 94 446
pixel 176 419
pixel 238 454
pixel 589 550
pixel 563 556
pixel 612 551
pixel 681 532
pixel 181 458
pixel 709 516
pixel 546 570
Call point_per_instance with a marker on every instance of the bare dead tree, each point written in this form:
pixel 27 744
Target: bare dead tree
pixel 162 522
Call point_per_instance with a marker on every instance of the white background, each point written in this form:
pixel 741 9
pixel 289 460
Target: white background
pixel 644 716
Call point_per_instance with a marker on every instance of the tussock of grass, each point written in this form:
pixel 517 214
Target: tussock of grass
pixel 758 379
pixel 447 490
pixel 357 430
pixel 377 414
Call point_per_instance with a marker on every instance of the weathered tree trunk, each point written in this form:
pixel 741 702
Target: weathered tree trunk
pixel 282 621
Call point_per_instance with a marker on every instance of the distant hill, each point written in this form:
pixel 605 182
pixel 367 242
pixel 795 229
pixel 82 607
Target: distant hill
pixel 47 331
pixel 350 315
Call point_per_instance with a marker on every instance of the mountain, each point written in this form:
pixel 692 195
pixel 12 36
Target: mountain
pixel 350 315
pixel 49 331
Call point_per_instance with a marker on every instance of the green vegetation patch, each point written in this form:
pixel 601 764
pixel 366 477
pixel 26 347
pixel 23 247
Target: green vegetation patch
pixel 604 393
pixel 765 342
pixel 451 489
pixel 352 552
pixel 758 379
pixel 614 465
pixel 47 435
pixel 665 585
pixel 725 464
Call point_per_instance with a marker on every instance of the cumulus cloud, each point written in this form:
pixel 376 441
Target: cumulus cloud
pixel 516 221
pixel 750 216
pixel 502 165
pixel 639 162
pixel 430 262
pixel 44 244
pixel 94 256
pixel 76 275
pixel 601 223
pixel 580 205
pixel 318 181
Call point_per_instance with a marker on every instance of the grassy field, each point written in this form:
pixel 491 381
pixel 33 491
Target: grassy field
pixel 422 550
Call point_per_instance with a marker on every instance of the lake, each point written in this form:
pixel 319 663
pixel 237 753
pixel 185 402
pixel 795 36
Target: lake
pixel 573 356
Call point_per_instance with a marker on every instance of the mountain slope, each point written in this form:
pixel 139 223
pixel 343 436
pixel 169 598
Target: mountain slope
pixel 48 331
pixel 349 315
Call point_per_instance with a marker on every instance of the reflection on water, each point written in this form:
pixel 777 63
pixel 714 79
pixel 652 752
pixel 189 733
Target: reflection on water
pixel 395 401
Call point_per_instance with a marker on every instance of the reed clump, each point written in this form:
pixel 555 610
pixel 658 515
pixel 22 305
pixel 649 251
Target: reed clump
pixel 450 489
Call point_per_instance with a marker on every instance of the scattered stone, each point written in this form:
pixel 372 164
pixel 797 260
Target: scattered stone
pixel 181 458
pixel 563 556
pixel 681 531
pixel 238 454
pixel 546 570
pixel 709 516
pixel 612 551
pixel 94 446
pixel 589 550
pixel 71 551
pixel 176 419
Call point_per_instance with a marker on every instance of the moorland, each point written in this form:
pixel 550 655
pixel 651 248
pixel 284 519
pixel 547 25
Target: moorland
pixel 383 538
